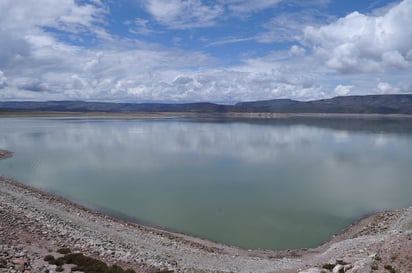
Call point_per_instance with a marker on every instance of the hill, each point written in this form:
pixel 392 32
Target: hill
pixel 369 104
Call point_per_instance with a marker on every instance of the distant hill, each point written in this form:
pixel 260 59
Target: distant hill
pixel 82 106
pixel 370 104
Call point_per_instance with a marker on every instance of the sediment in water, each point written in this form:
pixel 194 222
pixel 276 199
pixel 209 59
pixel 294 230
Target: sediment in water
pixel 33 222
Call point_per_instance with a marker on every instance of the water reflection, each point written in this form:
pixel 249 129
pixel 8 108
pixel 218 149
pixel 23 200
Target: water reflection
pixel 257 185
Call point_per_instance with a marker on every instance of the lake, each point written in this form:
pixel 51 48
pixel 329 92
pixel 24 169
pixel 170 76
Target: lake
pixel 269 184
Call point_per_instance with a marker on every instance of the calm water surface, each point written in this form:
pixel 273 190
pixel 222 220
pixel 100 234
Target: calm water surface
pixel 262 184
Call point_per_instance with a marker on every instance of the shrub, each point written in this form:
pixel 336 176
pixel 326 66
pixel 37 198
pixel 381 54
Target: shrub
pixel 48 258
pixel 64 250
pixel 84 264
pixel 390 268
pixel 59 261
pixel 328 266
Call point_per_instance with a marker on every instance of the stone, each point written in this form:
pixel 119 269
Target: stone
pixel 337 268
pixel 20 264
pixel 311 270
pixel 347 267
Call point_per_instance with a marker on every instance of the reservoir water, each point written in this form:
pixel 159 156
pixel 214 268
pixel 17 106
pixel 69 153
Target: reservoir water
pixel 269 184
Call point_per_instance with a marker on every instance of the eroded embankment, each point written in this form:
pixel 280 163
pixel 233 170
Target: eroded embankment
pixel 33 223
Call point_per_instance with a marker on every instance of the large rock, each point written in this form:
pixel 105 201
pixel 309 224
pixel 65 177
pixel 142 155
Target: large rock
pixel 311 270
pixel 338 268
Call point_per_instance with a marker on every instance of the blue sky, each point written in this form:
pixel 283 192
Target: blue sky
pixel 194 50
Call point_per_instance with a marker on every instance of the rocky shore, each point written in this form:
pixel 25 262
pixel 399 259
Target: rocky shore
pixel 5 154
pixel 34 224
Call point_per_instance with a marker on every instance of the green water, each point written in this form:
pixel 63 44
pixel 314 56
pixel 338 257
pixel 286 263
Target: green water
pixel 263 184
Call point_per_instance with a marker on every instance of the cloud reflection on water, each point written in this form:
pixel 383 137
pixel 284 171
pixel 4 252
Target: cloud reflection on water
pixel 190 175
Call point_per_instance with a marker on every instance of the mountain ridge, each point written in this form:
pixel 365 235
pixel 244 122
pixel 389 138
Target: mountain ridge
pixel 366 104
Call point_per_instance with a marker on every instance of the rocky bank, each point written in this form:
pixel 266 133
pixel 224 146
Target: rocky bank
pixel 34 224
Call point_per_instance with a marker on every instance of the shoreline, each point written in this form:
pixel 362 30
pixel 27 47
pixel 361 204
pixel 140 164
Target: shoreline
pixel 60 222
pixel 240 115
pixel 5 154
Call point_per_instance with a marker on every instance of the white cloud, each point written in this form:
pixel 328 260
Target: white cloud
pixel 230 41
pixel 245 6
pixel 365 43
pixel 183 14
pixel 40 67
pixel 65 15
pixel 342 90
pixel 297 50
pixel 235 85
pixel 386 88
pixel 3 80
pixel 141 26
pixel 22 23
pixel 286 27
pixel 36 65
pixel 395 59
pixel 182 80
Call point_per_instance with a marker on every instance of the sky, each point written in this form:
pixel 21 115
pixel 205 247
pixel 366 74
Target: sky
pixel 221 51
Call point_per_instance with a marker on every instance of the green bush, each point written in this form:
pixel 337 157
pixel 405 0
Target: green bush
pixel 59 261
pixel 48 258
pixel 84 264
pixel 328 266
pixel 64 250
pixel 390 268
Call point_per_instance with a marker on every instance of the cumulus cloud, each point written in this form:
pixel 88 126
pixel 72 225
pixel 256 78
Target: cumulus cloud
pixel 65 15
pixel 39 66
pixel 297 50
pixel 36 64
pixel 229 86
pixel 387 88
pixel 29 84
pixel 23 35
pixel 3 80
pixel 395 59
pixel 342 90
pixel 365 43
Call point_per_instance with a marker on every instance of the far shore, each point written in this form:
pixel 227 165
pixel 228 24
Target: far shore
pixel 5 154
pixel 37 223
pixel 240 115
